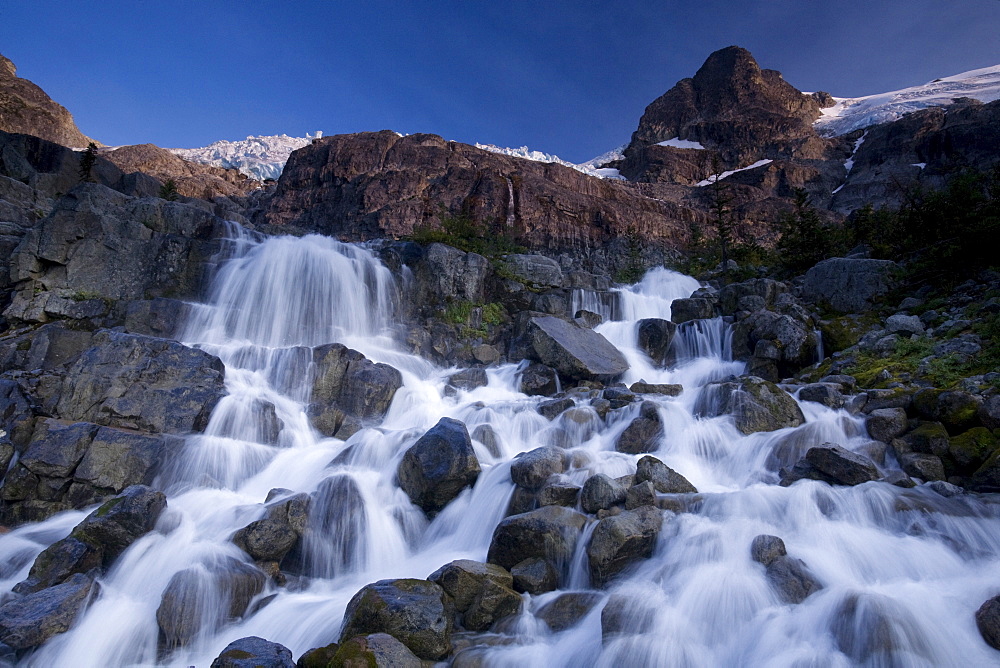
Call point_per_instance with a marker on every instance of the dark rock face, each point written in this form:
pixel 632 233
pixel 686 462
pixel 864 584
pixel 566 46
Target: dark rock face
pixel 849 285
pixel 988 621
pixel 534 576
pixel 567 609
pixel 644 433
pixel 374 649
pixel 664 479
pixel 30 621
pixel 795 342
pixel 789 577
pixel 755 404
pixel 443 274
pixel 548 533
pixel 416 612
pixel 25 108
pixel 369 185
pixel 601 492
pixel 620 540
pixel 137 382
pixel 694 308
pixel 191 178
pixel 531 469
pixel 536 270
pixel 833 464
pixel 655 337
pixel 439 465
pixel 885 424
pixel 538 380
pixel 576 352
pixel 254 652
pixel 349 390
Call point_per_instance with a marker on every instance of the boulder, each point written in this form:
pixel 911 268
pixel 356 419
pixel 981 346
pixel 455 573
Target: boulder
pixel 444 274
pixel 644 433
pixel 989 412
pixel 694 308
pixel 534 576
pixel 379 650
pixel 439 465
pixel 904 325
pixel 117 458
pixel 923 466
pixel 320 657
pixel 539 380
pixel 29 621
pixel 254 652
pixel 531 469
pixel 755 404
pixel 493 602
pixel 929 438
pixel 664 479
pixel 464 579
pixel 566 610
pixel 620 540
pixel 655 336
pixel 789 577
pixel 790 341
pixel 640 494
pixel 266 539
pixel 549 533
pixel 486 435
pixel 553 408
pixel 348 387
pixel 849 285
pixel 832 464
pixel 766 290
pixel 970 449
pixel 558 494
pixel 988 622
pixel 417 613
pixel 536 270
pixel 601 492
pixel 468 379
pixel 144 383
pixel 575 352
pixel 957 409
pixel 827 394
pixel 627 615
pixel 666 389
pixel 885 424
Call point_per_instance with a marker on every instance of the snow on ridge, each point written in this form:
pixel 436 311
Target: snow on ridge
pixel 712 179
pixel 851 114
pixel 682 143
pixel 591 167
pixel 259 157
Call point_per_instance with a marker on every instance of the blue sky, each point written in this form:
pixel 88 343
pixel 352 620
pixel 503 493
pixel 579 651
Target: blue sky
pixel 565 77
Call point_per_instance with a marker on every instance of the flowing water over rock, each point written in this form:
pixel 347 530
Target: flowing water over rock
pixel 892 576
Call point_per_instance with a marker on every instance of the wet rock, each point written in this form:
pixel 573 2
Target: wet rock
pixel 266 539
pixel 379 650
pixel 588 319
pixel 663 478
pixel 601 492
pixel 206 596
pixel 418 613
pixel 626 615
pixel 575 352
pixel 945 489
pixel 566 610
pixel 899 479
pixel 871 629
pixel 537 270
pixel 31 620
pixel 57 447
pixel 531 469
pixel 552 409
pixel 254 652
pixel 558 494
pixel 666 389
pixel 849 285
pixel 538 380
pixel 885 424
pixel 464 579
pixel 156 317
pixel 493 602
pixel 319 657
pixel 832 464
pixel 955 408
pixel 987 477
pixel 989 412
pixel 766 549
pixel 468 379
pixel 486 435
pixel 929 438
pixel 620 540
pixel 766 289
pixel 888 398
pixel 925 467
pixel 139 382
pixel 439 465
pixel 695 308
pixel 988 622
pixel 644 433
pixel 970 449
pixel 618 397
pixel 349 385
pixel 640 494
pixel 788 576
pixel 788 341
pixel 827 394
pixel 534 576
pixel 522 501
pixel 655 336
pixel 755 404
pixel 548 533
pixel 117 458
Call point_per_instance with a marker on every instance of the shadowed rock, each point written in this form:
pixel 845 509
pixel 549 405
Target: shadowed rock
pixel 439 465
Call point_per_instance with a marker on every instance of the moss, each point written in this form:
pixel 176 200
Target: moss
pixel 354 653
pixel 457 313
pixel 320 657
pixel 237 654
pixel 843 332
pixel 108 506
pixel 494 313
pixel 24 345
pixel 973 447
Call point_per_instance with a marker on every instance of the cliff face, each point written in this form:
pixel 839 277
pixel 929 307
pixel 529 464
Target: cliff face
pixel 25 108
pixel 192 179
pixel 369 184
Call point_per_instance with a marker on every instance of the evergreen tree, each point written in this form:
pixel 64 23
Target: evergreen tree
pixel 722 219
pixel 87 161
pixel 168 191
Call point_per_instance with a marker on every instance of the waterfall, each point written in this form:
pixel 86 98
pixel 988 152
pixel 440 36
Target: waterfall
pixel 902 569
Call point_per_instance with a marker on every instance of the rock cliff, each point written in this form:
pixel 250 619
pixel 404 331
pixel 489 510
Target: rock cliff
pixel 26 108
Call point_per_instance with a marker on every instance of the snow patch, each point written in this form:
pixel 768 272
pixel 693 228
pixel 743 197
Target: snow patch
pixel 592 167
pixel 854 113
pixel 261 157
pixel 920 165
pixel 682 143
pixel 849 163
pixel 712 179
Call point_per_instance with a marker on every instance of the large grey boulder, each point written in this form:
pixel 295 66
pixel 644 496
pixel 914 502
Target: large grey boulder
pixel 379 650
pixel 464 579
pixel 140 382
pixel 566 610
pixel 254 652
pixel 693 308
pixel 576 352
pixel 601 492
pixel 664 479
pixel 654 337
pixel 266 539
pixel 795 340
pixel 549 533
pixel 755 404
pixel 418 613
pixel 31 620
pixel 439 465
pixel 622 539
pixel 536 270
pixel 644 433
pixel 885 424
pixel 833 464
pixel 849 285
pixel 765 289
pixel 349 390
pixel 531 469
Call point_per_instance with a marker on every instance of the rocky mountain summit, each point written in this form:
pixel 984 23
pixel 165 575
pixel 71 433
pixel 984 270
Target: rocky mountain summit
pixel 25 108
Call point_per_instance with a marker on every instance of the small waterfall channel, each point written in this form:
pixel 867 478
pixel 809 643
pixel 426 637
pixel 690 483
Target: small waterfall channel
pixel 902 570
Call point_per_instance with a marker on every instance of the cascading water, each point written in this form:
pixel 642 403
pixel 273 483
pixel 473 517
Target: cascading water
pixel 902 570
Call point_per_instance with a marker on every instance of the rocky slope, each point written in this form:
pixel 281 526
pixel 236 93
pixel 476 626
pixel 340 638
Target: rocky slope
pixel 25 108
pixel 192 179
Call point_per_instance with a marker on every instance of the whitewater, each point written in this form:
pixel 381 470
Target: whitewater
pixel 902 570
